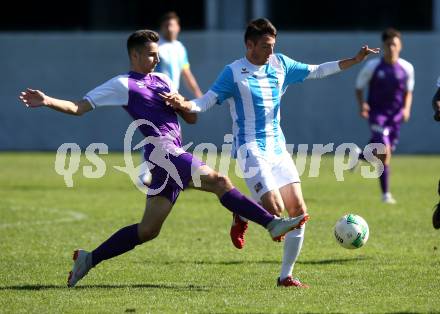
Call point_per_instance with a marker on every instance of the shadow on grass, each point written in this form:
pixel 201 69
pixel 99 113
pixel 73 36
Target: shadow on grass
pixel 124 286
pixel 277 262
pixel 335 261
pixel 409 312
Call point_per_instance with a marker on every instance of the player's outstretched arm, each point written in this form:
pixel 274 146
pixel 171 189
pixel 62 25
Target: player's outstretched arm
pixel 189 117
pixel 191 82
pixel 197 105
pixel 34 98
pixel 358 58
pixel 364 108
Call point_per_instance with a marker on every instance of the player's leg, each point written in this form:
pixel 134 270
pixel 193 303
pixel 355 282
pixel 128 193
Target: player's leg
pixel 380 133
pixel 436 215
pixel 124 240
pixel 145 176
pixel 385 176
pixel 295 205
pixel 236 202
pixel 157 209
pixel 288 182
pixel 259 184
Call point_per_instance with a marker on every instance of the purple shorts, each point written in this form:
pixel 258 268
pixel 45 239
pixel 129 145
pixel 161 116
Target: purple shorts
pixel 171 174
pixel 385 129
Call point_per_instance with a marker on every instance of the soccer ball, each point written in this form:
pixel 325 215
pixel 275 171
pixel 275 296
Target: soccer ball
pixel 351 231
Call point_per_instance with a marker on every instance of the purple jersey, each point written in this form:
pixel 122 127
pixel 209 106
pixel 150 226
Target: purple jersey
pixel 139 95
pixel 387 85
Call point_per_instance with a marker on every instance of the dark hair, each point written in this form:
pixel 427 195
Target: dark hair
pixel 258 28
pixel 390 33
pixel 139 38
pixel 169 16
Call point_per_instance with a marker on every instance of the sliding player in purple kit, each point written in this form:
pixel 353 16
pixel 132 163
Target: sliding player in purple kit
pixel 138 93
pixel 253 87
pixel 390 82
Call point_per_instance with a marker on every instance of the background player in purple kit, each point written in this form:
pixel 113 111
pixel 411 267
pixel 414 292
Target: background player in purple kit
pixel 138 92
pixel 436 102
pixel 436 107
pixel 390 82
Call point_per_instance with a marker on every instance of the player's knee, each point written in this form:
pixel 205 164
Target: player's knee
pixel 147 234
pixel 299 209
pixel 223 183
pixel 275 208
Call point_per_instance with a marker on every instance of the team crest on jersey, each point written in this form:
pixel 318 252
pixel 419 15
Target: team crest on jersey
pixel 400 75
pixel 258 187
pixel 140 84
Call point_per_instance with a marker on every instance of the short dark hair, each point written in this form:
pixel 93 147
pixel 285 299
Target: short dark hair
pixel 258 28
pixel 390 33
pixel 139 38
pixel 169 16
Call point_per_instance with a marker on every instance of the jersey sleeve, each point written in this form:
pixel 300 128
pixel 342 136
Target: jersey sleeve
pixel 409 69
pixel 224 85
pixel 114 92
pixel 366 73
pixel 295 71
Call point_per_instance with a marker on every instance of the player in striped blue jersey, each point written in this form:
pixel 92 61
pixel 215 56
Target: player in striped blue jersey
pixel 252 87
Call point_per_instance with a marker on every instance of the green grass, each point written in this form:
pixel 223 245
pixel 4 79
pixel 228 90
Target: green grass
pixel 192 266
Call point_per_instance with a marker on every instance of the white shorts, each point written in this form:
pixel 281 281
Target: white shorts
pixel 266 173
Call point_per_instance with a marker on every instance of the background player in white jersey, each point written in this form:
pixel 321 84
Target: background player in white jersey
pixel 173 61
pixel 173 55
pixel 390 82
pixel 252 86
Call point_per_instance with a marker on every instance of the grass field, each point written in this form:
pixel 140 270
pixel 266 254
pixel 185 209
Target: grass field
pixel 192 266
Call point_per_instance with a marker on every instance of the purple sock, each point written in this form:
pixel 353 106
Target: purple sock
pixel 384 179
pixel 245 207
pixel 122 241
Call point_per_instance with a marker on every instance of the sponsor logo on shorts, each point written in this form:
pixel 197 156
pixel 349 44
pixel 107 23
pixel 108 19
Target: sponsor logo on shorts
pixel 258 187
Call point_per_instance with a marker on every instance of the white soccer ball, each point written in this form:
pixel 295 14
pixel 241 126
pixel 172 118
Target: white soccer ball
pixel 351 231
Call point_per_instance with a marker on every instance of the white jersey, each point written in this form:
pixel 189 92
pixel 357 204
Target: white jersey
pixel 173 59
pixel 254 96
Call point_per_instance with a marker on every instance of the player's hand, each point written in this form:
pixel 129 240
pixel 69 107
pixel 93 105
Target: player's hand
pixel 32 98
pixel 365 110
pixel 174 100
pixel 364 52
pixel 406 114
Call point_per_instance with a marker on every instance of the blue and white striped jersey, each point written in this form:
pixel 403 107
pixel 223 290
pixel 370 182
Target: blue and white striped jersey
pixel 254 95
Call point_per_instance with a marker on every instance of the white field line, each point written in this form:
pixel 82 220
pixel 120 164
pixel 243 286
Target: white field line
pixel 70 215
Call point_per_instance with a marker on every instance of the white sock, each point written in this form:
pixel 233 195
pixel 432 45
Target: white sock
pixel 292 247
pixel 243 219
